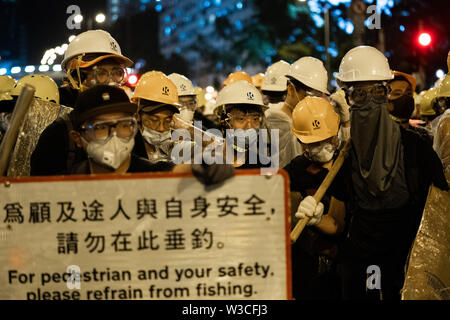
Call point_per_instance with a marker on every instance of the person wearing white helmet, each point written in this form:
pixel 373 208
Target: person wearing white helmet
pixel 186 97
pixel 274 90
pixel 240 107
pixel 384 182
pixel 306 77
pixel 92 58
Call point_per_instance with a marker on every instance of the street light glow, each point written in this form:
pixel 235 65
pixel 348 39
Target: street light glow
pixel 100 18
pixel 78 18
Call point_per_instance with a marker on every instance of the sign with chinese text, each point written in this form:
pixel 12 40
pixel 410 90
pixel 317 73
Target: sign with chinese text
pixel 145 236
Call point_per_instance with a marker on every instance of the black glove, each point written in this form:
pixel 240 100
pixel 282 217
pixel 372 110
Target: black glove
pixel 212 174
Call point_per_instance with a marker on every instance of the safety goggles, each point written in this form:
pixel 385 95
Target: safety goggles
pixel 124 128
pixel 154 122
pixel 360 95
pixel 105 76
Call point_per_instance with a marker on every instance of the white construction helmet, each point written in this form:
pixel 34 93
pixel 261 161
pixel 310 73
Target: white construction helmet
pixel 184 85
pixel 240 92
pixel 275 77
pixel 7 83
pixel 364 63
pixel 311 72
pixel 46 88
pixel 93 42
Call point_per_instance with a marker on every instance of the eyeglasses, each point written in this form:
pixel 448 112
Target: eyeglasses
pixel 240 119
pixel 361 95
pixel 125 128
pixel 103 76
pixel 190 103
pixel 154 122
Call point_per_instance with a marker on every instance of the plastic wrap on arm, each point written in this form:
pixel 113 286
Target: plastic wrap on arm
pixel 428 269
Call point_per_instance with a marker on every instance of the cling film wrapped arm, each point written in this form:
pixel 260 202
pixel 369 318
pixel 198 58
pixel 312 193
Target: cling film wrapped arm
pixel 441 142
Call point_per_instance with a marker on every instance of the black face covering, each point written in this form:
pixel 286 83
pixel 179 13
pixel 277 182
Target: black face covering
pixel 403 107
pixel 376 143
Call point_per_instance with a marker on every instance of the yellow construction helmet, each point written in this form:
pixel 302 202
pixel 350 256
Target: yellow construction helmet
pixel 314 120
pixel 426 104
pixel 7 83
pixel 237 76
pixel 46 88
pixel 258 79
pixel 155 87
pixel 444 87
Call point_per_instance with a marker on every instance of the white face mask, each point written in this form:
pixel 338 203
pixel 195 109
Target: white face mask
pixel 322 153
pixel 186 115
pixel 155 137
pixel 111 153
pixel 344 133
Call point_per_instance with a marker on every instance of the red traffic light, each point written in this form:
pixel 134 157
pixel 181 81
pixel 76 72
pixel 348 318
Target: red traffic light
pixel 132 79
pixel 424 39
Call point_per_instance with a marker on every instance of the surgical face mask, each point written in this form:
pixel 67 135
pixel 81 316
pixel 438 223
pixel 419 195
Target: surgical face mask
pixel 322 153
pixel 154 137
pixel 111 153
pixel 243 140
pixel 186 114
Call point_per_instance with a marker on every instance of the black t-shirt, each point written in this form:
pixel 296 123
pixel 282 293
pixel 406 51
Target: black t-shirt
pixel 51 154
pixel 306 177
pixel 386 225
pixel 137 164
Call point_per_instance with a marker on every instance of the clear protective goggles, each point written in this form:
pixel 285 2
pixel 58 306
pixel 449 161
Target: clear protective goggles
pixel 125 128
pixel 360 95
pixel 105 76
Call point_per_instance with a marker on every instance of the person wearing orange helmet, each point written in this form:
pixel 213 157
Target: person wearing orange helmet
pixel 316 126
pixel 237 76
pixel 401 102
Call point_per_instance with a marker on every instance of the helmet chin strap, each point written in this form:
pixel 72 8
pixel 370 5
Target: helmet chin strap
pixel 76 85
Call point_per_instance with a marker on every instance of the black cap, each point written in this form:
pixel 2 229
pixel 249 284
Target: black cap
pixel 99 100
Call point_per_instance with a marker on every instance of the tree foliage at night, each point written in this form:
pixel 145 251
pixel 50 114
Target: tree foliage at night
pixel 288 30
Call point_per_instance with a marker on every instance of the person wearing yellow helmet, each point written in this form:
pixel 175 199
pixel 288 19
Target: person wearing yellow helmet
pixel 157 99
pixel 7 83
pixel 316 126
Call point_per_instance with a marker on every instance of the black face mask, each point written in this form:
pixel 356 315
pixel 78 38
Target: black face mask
pixel 376 143
pixel 403 107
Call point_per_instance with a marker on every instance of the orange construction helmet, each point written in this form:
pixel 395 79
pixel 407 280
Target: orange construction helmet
pixel 236 76
pixel 405 76
pixel 314 120
pixel 155 87
pixel 258 79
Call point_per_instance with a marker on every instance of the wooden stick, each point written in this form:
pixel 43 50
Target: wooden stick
pixel 9 140
pixel 323 188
